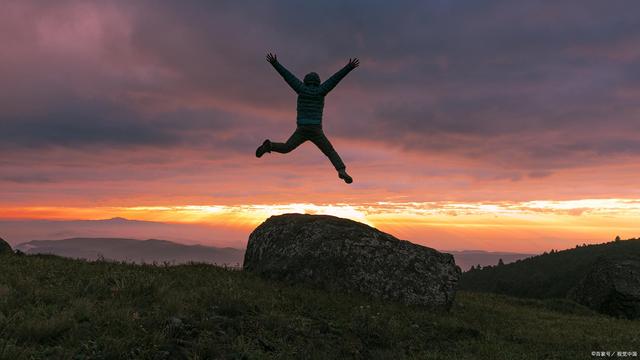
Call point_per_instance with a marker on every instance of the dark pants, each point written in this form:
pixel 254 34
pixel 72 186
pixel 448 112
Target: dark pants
pixel 314 134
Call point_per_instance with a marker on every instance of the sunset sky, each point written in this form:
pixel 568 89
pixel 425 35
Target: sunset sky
pixel 493 125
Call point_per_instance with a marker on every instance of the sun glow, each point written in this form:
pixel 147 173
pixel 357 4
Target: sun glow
pixel 574 220
pixel 364 212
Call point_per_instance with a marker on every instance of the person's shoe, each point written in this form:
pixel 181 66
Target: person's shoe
pixel 265 147
pixel 342 174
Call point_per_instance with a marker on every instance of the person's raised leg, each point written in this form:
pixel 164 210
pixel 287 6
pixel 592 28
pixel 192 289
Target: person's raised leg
pixel 295 140
pixel 321 141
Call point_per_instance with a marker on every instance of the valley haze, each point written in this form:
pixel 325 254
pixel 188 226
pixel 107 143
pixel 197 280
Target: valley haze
pixel 154 250
pixel 136 251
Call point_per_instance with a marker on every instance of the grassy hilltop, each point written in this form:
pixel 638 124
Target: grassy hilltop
pixel 56 308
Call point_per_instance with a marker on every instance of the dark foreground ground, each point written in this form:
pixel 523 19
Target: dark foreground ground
pixel 53 308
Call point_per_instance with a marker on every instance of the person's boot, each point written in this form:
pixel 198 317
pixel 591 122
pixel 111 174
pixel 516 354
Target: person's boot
pixel 342 174
pixel 265 147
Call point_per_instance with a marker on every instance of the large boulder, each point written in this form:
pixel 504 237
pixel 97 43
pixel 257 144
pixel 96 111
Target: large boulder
pixel 5 248
pixel 340 254
pixel 612 287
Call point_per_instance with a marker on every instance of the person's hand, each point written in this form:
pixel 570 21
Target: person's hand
pixel 354 63
pixel 271 58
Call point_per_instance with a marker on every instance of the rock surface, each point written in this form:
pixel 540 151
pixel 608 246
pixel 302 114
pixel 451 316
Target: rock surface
pixel 5 248
pixel 611 287
pixel 340 254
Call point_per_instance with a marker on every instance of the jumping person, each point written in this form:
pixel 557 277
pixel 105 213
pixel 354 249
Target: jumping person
pixel 311 95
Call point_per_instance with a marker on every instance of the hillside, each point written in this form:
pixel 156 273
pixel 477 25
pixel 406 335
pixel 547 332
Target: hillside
pixel 550 275
pixel 130 250
pixel 52 307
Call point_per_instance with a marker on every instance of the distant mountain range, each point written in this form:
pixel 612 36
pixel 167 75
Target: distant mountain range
pixel 16 232
pixel 130 250
pixel 122 249
pixel 467 258
pixel 20 231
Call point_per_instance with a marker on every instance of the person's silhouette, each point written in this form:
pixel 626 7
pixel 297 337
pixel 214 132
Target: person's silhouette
pixel 311 95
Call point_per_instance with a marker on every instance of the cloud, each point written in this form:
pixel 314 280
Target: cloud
pixel 98 123
pixel 490 91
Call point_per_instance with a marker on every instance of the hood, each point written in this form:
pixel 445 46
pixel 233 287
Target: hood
pixel 312 78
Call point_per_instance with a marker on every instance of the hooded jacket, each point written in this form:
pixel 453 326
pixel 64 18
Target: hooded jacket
pixel 311 93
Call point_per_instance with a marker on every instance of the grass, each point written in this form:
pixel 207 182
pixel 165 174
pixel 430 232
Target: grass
pixel 56 308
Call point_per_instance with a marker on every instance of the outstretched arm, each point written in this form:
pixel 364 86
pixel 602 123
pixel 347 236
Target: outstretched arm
pixel 331 82
pixel 291 79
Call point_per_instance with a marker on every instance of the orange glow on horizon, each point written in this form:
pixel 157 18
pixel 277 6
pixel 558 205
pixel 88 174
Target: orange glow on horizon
pixel 489 225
